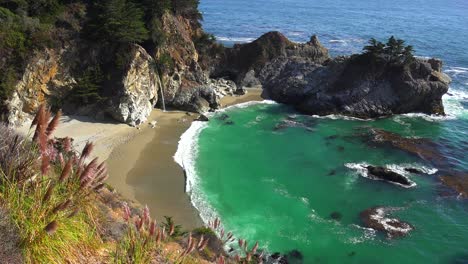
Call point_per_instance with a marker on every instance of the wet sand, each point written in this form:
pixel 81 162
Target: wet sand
pixel 143 169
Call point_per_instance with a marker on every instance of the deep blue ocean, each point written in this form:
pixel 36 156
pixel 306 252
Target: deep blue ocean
pixel 300 191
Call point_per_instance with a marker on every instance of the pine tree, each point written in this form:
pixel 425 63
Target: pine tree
pixel 375 47
pixel 187 8
pixel 87 88
pixel 119 21
pixel 394 51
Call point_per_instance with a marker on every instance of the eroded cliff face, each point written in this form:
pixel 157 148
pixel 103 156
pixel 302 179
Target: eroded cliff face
pixel 186 85
pixel 47 74
pixel 138 93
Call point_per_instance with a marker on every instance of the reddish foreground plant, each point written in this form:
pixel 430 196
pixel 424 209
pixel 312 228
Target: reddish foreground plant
pixel 49 183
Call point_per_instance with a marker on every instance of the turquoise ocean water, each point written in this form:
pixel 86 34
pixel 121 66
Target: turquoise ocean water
pixel 281 186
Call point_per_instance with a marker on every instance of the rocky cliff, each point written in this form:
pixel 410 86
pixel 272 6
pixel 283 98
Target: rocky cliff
pixel 136 78
pixel 138 93
pixel 133 78
pixel 354 86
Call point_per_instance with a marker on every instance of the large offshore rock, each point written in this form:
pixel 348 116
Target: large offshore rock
pixel 304 75
pixel 138 93
pixel 355 86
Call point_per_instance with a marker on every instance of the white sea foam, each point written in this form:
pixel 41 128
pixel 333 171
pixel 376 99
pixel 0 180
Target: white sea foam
pixel 242 105
pixel 341 117
pixel 337 41
pixel 187 152
pixel 456 70
pixel 452 105
pixel 367 234
pixel 381 217
pixel 233 39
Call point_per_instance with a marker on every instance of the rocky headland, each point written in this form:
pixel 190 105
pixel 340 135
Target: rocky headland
pixel 305 76
pixel 197 76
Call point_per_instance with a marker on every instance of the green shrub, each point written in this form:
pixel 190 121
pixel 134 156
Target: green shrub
pixel 204 231
pixel 88 86
pixel 174 230
pixel 394 51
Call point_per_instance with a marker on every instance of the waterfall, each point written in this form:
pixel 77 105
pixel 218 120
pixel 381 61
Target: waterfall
pixel 162 97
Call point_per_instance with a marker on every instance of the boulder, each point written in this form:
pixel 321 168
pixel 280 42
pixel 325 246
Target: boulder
pixel 385 174
pixel 202 118
pixel 240 91
pixel 199 99
pixel 378 219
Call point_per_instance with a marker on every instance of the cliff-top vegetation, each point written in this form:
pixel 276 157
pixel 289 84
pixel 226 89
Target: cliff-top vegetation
pixel 28 26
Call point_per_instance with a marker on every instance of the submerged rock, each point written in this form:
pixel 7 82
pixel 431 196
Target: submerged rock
pixel 378 219
pixel 456 181
pixel 294 257
pixel 223 117
pixel 385 174
pixel 421 147
pixel 464 104
pixel 336 216
pixel 287 123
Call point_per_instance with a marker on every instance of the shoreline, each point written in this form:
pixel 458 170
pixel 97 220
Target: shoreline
pixel 143 168
pixel 140 160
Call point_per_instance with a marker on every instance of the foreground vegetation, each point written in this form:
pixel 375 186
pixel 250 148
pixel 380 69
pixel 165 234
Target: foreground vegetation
pixel 53 197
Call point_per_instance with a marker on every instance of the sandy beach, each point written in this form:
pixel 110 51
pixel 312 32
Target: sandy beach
pixel 140 160
pixel 143 168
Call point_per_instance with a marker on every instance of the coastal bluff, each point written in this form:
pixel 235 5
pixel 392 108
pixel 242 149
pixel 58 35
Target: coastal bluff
pixel 195 76
pixel 305 76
